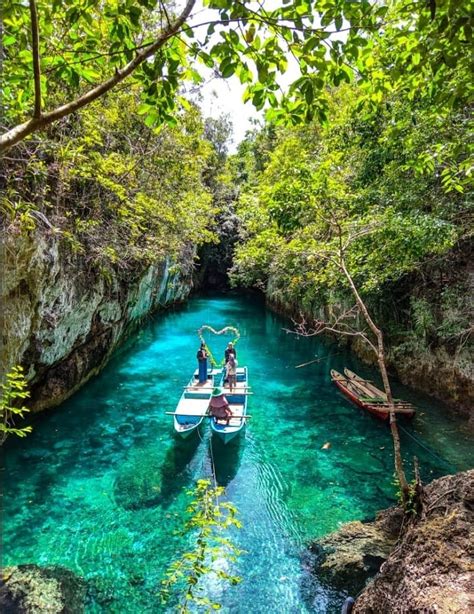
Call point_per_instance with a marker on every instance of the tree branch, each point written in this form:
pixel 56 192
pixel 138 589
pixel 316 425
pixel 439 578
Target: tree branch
pixel 18 133
pixel 36 59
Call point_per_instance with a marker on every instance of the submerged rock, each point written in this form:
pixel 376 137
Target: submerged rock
pixel 30 589
pixel 432 567
pixel 349 556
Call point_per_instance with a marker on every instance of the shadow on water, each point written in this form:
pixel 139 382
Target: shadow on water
pixel 149 479
pixel 176 471
pixel 227 458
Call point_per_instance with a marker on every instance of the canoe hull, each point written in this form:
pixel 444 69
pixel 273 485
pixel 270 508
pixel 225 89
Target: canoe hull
pixel 225 436
pixel 186 433
pixel 402 408
pixel 193 404
pixel 381 415
pixel 358 390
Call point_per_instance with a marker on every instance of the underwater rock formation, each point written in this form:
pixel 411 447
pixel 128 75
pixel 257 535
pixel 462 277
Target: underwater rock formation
pixel 29 589
pixel 63 316
pixel 432 567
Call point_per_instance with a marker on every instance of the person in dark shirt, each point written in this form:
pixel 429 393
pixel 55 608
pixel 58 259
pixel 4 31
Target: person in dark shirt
pixel 230 349
pixel 202 363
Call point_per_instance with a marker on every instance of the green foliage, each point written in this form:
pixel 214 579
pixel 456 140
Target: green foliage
pixel 423 318
pixel 211 550
pixel 389 46
pixel 117 192
pixel 374 181
pixel 14 392
pixel 410 504
pixel 456 314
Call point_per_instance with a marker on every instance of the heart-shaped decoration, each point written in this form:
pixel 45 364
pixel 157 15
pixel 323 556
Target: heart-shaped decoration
pixel 223 331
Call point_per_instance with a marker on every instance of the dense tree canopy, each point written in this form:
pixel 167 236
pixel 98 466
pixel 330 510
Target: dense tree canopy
pixel 59 56
pixel 392 187
pixel 117 191
pixel 370 142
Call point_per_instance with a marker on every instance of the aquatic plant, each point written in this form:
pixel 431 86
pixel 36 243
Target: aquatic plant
pixel 209 522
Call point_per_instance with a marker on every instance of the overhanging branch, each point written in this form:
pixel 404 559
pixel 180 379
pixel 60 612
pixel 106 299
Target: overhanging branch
pixel 18 133
pixel 36 58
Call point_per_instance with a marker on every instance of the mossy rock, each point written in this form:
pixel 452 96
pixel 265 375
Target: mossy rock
pixel 29 589
pixel 138 483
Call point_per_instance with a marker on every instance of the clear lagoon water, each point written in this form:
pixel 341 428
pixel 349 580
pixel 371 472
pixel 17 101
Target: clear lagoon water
pixel 99 486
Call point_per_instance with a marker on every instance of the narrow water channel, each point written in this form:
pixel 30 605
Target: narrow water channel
pixel 99 486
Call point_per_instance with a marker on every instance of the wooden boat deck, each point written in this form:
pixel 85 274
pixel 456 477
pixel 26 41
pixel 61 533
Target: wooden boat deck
pixel 190 410
pixel 239 387
pixel 237 413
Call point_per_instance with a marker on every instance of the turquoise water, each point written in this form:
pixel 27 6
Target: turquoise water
pixel 99 485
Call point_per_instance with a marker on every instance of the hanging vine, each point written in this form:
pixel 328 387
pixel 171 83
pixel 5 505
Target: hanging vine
pixel 223 331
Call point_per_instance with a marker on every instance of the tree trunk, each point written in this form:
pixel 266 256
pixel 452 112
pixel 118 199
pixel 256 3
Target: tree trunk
pixel 393 421
pixel 386 384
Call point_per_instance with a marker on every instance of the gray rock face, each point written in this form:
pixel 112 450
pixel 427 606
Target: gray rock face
pixel 29 589
pixel 354 553
pixel 62 316
pixel 432 567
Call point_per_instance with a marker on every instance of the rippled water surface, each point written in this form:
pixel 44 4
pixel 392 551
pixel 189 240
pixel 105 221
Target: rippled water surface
pixel 99 487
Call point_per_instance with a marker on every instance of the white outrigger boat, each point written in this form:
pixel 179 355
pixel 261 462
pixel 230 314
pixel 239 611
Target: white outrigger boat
pixel 237 400
pixel 194 403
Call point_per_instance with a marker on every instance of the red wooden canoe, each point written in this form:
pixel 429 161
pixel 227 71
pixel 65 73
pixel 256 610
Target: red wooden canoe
pixel 356 390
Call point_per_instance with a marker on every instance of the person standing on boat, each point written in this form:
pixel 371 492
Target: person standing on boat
pixel 219 406
pixel 230 349
pixel 231 371
pixel 202 363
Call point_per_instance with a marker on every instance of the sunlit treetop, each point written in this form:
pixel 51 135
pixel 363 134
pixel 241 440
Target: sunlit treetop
pixel 59 56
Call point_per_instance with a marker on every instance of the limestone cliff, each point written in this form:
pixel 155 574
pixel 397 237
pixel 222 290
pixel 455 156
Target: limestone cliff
pixel 62 316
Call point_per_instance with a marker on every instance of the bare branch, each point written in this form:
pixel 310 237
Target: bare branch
pixel 36 59
pixel 340 326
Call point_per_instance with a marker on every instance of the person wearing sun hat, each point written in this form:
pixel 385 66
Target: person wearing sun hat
pixel 219 406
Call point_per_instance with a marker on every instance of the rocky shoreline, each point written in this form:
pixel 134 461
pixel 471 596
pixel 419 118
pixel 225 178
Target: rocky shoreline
pixel 422 565
pixel 31 589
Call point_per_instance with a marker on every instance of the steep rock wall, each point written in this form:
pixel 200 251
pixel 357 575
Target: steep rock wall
pixel 423 564
pixel 62 316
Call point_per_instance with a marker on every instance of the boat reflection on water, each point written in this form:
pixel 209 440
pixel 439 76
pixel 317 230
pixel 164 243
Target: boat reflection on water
pixel 176 472
pixel 227 459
